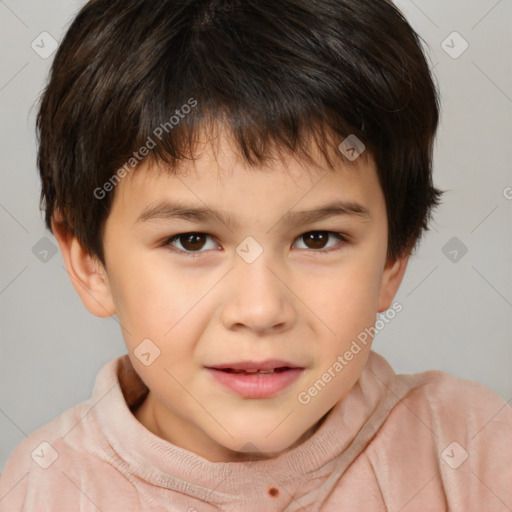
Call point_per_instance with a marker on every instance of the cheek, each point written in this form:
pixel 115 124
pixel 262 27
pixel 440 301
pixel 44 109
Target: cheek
pixel 149 300
pixel 155 301
pixel 347 298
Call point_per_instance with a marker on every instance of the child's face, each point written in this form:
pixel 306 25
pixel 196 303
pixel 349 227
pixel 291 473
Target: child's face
pixel 291 303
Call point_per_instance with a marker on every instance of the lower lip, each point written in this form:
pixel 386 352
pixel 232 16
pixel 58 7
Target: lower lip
pixel 256 385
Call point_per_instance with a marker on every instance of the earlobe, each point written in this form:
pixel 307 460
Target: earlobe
pixel 392 277
pixel 86 272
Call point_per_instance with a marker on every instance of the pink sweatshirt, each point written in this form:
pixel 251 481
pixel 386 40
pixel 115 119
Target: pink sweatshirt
pixel 424 442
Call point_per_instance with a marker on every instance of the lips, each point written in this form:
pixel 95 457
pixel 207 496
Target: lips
pixel 262 372
pixel 267 366
pixel 251 379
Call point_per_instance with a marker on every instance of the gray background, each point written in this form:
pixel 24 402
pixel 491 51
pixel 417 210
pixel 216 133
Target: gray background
pixel 457 308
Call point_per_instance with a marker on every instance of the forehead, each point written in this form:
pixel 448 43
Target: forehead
pixel 218 177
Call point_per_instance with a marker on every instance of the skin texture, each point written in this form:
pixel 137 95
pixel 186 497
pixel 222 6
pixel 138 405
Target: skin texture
pixel 298 301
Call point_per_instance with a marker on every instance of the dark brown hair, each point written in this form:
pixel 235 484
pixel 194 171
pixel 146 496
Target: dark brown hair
pixel 275 73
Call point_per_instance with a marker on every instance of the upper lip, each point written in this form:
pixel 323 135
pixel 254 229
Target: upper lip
pixel 268 364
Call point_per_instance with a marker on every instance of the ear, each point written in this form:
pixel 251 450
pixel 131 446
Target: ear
pixel 87 273
pixel 391 278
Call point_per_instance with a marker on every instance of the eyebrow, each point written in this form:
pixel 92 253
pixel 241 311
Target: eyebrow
pixel 169 211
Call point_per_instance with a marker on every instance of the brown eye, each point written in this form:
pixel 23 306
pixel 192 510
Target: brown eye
pixel 320 240
pixel 316 239
pixel 191 242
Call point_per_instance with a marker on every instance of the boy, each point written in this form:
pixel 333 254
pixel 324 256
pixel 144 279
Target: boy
pixel 241 184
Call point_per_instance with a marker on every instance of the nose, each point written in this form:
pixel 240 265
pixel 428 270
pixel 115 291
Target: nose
pixel 258 299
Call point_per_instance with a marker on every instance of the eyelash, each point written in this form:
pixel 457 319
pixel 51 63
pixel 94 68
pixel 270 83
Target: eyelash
pixel 193 254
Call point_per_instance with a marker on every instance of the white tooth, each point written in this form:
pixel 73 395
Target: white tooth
pixel 266 371
pixel 251 371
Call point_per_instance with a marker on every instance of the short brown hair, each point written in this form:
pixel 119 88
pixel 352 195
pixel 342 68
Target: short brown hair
pixel 275 72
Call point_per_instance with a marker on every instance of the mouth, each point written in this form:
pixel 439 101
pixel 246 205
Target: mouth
pixel 267 366
pixel 250 379
pixel 252 372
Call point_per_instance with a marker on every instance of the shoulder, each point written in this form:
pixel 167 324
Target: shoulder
pixel 438 401
pixel 58 456
pixel 41 457
pixel 449 403
pixel 448 437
